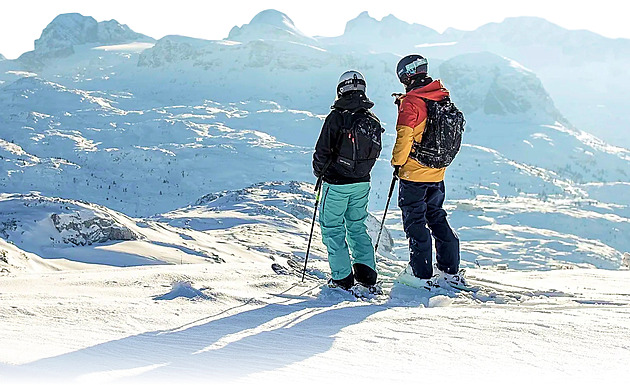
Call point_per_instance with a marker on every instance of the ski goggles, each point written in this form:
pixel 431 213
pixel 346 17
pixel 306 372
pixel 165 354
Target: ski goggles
pixel 411 68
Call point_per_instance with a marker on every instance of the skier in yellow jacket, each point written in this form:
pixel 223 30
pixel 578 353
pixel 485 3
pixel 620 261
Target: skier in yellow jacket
pixel 421 192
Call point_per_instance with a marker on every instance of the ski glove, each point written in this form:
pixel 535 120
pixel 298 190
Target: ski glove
pixel 396 171
pixel 397 98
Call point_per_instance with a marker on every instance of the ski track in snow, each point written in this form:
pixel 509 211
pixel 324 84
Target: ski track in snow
pixel 267 327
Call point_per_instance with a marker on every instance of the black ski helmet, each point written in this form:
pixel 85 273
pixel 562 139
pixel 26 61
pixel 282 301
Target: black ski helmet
pixel 410 66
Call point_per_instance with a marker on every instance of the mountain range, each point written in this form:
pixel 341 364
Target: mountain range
pixel 100 113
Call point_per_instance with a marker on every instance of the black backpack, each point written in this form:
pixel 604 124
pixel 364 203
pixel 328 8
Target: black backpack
pixel 442 137
pixel 359 143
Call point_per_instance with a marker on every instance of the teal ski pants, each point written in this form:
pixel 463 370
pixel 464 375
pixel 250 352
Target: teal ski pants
pixel 342 217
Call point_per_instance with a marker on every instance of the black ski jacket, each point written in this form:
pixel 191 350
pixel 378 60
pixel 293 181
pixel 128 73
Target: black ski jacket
pixel 329 137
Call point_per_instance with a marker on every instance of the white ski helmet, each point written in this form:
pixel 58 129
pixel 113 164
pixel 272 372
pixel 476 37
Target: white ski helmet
pixel 350 81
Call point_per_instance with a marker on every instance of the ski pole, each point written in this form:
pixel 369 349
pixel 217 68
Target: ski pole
pixel 318 189
pixel 389 197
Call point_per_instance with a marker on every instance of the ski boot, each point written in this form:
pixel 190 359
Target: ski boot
pixel 407 277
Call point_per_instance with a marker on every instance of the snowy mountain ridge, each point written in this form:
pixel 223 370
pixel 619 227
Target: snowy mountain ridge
pixel 98 125
pixel 367 34
pixel 68 30
pixel 269 25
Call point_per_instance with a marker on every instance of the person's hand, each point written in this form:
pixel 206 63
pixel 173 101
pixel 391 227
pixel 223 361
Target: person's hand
pixel 396 171
pixel 397 98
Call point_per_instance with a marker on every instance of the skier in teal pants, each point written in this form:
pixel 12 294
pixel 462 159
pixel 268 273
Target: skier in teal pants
pixel 347 148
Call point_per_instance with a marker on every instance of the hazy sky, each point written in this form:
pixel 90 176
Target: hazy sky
pixel 21 21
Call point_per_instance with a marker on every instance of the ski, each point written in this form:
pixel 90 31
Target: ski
pixel 292 268
pixel 469 289
pixel 425 287
pixel 295 268
pixel 279 269
pixel 359 291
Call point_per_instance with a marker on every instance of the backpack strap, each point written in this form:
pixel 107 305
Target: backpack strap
pixel 348 117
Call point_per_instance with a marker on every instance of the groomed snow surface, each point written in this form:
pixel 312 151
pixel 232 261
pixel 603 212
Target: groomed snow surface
pixel 250 325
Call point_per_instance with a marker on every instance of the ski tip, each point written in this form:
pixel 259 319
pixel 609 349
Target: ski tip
pixel 279 269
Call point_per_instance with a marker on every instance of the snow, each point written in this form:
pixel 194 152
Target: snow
pixel 269 25
pixel 214 309
pixel 182 289
pixel 390 34
pixel 147 187
pixel 135 47
pixel 260 327
pixel 68 30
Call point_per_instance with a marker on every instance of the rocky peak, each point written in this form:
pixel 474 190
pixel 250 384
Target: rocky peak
pixel 388 25
pixel 269 24
pixel 70 29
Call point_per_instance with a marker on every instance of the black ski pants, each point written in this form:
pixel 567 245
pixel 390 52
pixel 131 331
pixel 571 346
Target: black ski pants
pixel 423 217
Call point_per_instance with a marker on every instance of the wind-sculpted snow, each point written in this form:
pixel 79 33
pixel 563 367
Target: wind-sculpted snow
pixel 268 221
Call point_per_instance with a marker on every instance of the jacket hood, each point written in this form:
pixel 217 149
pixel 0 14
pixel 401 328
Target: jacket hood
pixel 353 101
pixel 432 91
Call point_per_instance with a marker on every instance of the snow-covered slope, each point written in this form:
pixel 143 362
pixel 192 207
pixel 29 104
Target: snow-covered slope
pixel 15 261
pixel 258 327
pixel 269 221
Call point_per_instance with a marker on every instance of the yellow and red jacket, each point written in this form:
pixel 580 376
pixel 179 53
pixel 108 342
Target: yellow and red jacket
pixel 412 119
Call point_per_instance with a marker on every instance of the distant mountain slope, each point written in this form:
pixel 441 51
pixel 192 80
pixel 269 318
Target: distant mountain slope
pixel 583 71
pixel 535 41
pixel 68 30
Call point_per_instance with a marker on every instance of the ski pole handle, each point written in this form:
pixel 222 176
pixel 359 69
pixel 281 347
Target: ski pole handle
pixel 318 184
